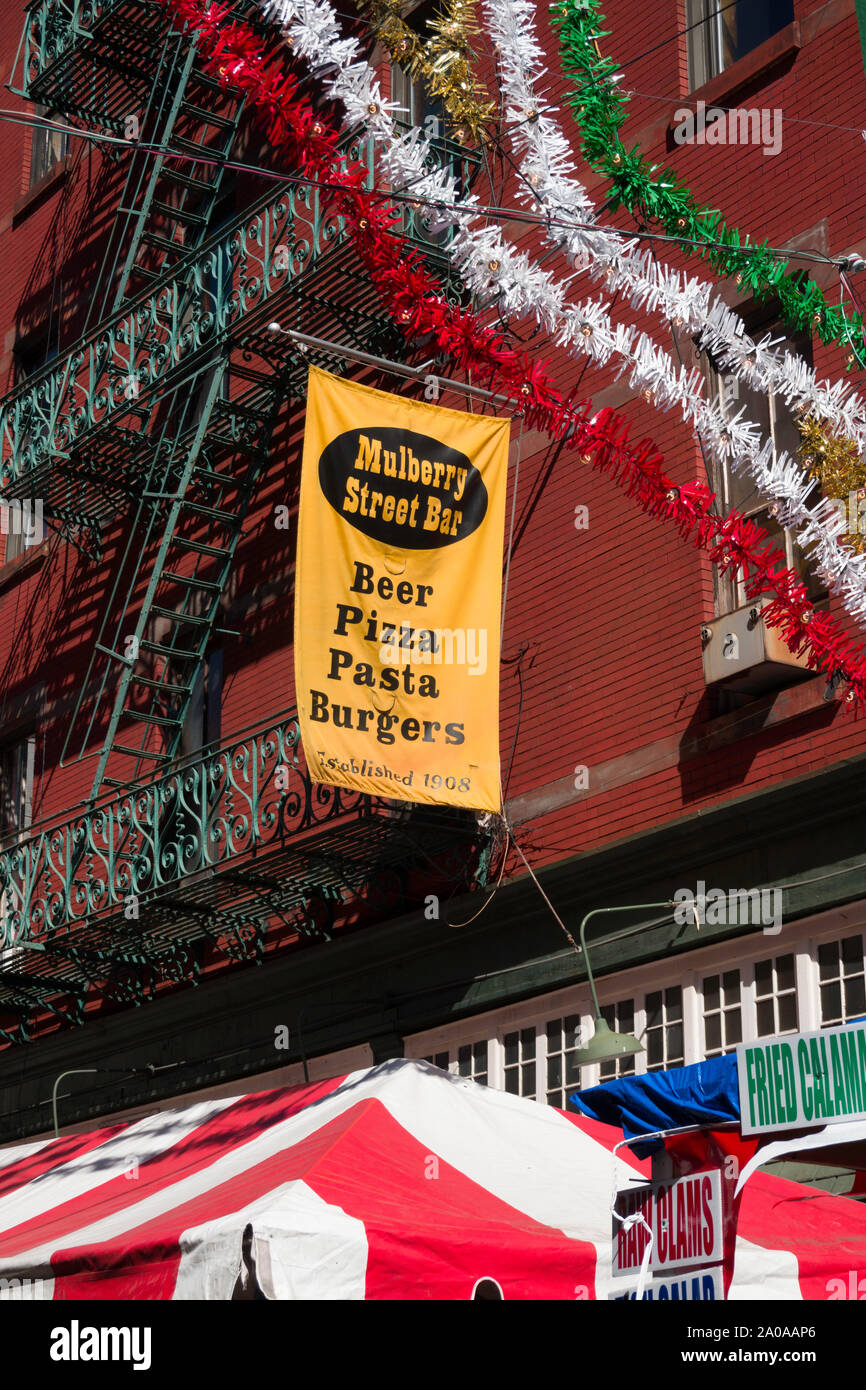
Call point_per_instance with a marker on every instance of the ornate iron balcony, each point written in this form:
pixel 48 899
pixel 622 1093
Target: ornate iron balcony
pixel 143 885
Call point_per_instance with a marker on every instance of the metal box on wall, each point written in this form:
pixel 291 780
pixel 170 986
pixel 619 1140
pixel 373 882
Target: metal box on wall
pixel 748 655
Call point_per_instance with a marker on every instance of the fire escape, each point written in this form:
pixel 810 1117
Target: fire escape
pixel 156 425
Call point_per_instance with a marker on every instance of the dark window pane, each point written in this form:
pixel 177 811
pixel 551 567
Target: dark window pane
pixel 464 1059
pixel 554 1035
pixel 731 984
pixel 511 1056
pixel 479 1054
pixel 852 955
pixel 654 1009
pixel 554 1098
pixel 572 1070
pixel 512 1082
pixel 481 1078
pixel 626 1016
pixel 527 1042
pixel 607 1013
pixel 554 1071
pixel 674 1004
pixel 828 960
pixel 654 1050
pixel 855 997
pixel 788 1013
pixel 442 1061
pixel 831 1002
pixel 675 1043
pixel 626 1066
pixel 733 1027
pixel 764 976
pixel 711 993
pixel 766 1018
pixel 785 973
pixel 529 1079
pixel 571 1030
pixel 713 1031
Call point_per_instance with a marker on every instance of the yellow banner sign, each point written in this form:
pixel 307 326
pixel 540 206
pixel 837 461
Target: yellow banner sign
pixel 398 593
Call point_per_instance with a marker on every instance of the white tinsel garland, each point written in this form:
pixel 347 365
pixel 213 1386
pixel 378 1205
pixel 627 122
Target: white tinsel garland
pixel 487 263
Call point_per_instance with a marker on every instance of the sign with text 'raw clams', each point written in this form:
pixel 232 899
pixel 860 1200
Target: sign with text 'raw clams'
pixel 683 1218
pixel 803 1081
pixel 398 593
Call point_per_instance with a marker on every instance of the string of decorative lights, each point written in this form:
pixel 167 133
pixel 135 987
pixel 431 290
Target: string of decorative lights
pixel 600 106
pixel 487 262
pixel 232 51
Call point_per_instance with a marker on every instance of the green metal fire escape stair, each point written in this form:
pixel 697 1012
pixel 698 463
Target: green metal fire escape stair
pixel 167 204
pixel 208 468
pixel 165 213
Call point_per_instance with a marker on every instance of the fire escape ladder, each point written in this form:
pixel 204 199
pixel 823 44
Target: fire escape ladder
pixel 201 522
pixel 168 199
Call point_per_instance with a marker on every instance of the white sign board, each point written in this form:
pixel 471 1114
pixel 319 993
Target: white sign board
pixel 802 1080
pixel 684 1218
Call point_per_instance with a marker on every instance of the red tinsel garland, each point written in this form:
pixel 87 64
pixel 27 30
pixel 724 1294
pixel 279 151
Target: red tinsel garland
pixel 410 294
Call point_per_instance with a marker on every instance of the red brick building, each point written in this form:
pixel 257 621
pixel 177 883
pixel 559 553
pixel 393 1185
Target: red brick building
pixel 146 674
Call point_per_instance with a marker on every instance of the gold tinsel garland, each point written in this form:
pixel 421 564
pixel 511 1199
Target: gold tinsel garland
pixel 441 62
pixel 839 467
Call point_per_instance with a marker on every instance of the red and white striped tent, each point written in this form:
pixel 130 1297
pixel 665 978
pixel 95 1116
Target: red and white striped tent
pixel 397 1182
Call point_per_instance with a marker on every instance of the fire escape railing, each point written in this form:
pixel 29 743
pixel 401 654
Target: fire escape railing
pixel 205 853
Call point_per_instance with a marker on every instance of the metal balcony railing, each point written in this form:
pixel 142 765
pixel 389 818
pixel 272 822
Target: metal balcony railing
pixel 209 854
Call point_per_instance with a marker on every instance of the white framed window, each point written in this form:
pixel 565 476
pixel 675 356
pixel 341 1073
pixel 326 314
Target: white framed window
pixel 16 786
pixel 664 1035
pixel 519 1063
pixel 620 1017
pixel 841 980
pixel 17 768
pixel 776 996
pixel 722 997
pixel 563 1037
pixel 721 32
pixel 472 1061
pixel 736 490
pixel 48 148
pixel 699 1005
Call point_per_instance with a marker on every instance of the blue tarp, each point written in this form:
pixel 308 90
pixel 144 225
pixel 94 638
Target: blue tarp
pixel 703 1094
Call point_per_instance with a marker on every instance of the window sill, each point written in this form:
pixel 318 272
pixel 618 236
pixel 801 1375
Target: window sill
pixel 29 560
pixel 41 191
pixel 775 50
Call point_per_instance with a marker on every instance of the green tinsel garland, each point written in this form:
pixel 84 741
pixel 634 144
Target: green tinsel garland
pixel 600 108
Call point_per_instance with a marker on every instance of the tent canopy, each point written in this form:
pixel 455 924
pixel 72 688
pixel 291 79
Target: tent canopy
pixel 397 1182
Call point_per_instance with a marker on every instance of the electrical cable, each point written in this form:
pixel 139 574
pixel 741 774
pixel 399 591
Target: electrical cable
pixel 396 195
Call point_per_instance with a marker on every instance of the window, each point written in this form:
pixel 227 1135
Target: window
pixel 776 996
pixel 472 1061
pixel 841 979
pixel 203 723
pixel 438 1059
pixel 664 1029
pixel 519 1049
pixel 563 1073
pixel 736 489
pixel 48 148
pixel 620 1019
pixel 721 32
pixel 16 786
pixel 723 1013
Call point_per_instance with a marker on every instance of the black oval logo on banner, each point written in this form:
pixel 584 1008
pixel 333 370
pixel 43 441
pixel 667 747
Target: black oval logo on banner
pixel 404 489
